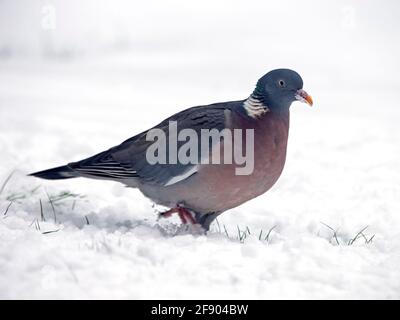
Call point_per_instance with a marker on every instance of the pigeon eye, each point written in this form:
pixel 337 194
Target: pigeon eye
pixel 281 83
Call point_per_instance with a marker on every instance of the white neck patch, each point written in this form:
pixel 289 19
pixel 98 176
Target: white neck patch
pixel 254 107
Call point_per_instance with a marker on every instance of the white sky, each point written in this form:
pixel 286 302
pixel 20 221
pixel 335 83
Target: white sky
pixel 343 44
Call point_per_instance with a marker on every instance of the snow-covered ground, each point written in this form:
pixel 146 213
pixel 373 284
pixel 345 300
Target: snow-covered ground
pixel 106 73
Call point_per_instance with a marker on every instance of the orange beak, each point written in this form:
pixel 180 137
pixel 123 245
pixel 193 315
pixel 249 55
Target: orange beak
pixel 303 96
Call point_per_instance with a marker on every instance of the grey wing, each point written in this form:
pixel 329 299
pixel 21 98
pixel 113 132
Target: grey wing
pixel 128 160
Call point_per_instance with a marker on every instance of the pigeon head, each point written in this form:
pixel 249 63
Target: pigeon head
pixel 279 88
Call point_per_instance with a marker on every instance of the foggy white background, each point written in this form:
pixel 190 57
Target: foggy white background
pixel 79 77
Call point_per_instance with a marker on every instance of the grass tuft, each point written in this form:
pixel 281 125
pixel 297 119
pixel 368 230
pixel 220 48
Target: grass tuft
pixel 65 195
pixel 51 231
pixel 360 234
pixel 218 225
pixel 41 210
pixel 8 207
pixel 269 233
pixel 16 196
pixel 334 233
pixel 52 207
pixel 243 234
pixel 4 184
pixel 226 232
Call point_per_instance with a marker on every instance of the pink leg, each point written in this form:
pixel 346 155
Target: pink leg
pixel 186 215
pixel 183 214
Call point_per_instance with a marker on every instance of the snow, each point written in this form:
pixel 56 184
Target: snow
pixel 83 87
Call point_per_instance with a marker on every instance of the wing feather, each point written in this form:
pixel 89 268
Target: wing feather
pixel 128 160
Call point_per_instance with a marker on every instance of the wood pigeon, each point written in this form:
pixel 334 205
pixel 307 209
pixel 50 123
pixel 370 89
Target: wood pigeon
pixel 198 191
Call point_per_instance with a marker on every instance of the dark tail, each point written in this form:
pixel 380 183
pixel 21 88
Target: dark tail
pixel 63 172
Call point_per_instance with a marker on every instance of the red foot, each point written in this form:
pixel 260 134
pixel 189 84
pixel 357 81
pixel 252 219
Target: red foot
pixel 184 215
